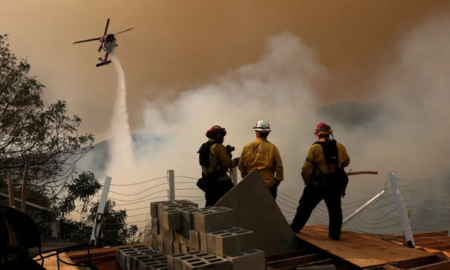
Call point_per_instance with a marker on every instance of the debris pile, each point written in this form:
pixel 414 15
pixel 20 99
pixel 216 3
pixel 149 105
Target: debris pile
pixel 187 237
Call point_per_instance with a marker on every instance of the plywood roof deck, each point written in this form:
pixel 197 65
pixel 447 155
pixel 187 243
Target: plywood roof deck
pixel 437 242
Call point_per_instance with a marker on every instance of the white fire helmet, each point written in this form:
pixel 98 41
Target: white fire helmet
pixel 262 126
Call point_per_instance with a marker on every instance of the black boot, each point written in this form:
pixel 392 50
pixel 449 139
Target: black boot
pixel 334 236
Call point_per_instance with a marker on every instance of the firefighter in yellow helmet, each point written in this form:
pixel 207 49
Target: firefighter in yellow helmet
pixel 264 156
pixel 325 178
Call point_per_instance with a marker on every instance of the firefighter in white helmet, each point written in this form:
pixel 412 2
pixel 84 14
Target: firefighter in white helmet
pixel 264 156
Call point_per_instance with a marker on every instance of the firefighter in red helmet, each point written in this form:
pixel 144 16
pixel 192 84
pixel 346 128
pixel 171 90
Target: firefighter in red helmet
pixel 216 162
pixel 325 178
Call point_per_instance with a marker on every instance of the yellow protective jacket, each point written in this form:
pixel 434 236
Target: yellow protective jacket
pixel 264 156
pixel 315 155
pixel 217 154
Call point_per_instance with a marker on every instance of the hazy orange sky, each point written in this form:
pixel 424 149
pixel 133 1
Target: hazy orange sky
pixel 182 44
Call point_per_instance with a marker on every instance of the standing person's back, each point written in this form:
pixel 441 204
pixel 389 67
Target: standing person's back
pixel 325 179
pixel 263 156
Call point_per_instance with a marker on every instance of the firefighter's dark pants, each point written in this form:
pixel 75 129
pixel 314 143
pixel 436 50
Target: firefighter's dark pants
pixel 273 190
pixel 216 190
pixel 313 195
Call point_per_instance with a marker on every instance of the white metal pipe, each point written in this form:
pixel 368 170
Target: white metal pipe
pixel 352 215
pixel 100 210
pixel 171 185
pixel 401 212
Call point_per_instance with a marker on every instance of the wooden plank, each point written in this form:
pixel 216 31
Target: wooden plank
pixel 296 261
pixel 435 266
pixel 417 262
pixel 51 263
pixel 433 251
pixel 446 253
pixel 98 259
pixel 436 233
pixel 317 263
pixel 100 251
pixel 287 255
pixel 440 247
pixel 359 249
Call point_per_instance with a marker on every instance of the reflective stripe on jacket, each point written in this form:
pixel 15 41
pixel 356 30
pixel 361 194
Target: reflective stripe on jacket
pixel 219 153
pixel 315 155
pixel 264 156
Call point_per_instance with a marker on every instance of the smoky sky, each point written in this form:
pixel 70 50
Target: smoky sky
pixel 178 45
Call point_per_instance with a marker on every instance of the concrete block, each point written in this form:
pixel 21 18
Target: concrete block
pixel 165 205
pixel 155 226
pixel 147 263
pixel 171 261
pixel 121 254
pixel 211 243
pixel 203 241
pixel 208 262
pixel 182 236
pixel 178 262
pixel 168 246
pixel 145 249
pixel 160 242
pixel 230 242
pixel 176 248
pixel 170 219
pixel 134 260
pixel 213 219
pixel 168 234
pixel 129 258
pixel 154 208
pixel 187 218
pixel 155 241
pixel 125 257
pixel 250 260
pixel 194 239
pixel 162 266
pixel 184 248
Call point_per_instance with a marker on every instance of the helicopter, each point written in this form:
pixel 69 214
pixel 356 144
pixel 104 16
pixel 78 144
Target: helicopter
pixel 108 44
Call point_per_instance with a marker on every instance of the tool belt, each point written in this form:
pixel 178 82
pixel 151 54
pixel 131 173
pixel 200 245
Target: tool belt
pixel 206 180
pixel 334 180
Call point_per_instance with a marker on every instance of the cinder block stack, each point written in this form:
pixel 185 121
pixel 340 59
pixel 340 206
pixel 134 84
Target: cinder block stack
pixel 195 238
pixel 141 258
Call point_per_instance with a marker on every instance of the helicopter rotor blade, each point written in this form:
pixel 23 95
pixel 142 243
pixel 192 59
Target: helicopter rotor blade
pixel 87 40
pixel 123 31
pixel 106 29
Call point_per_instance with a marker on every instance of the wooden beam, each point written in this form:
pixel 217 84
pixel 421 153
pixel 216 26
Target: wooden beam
pixel 297 260
pixel 361 172
pixel 97 259
pixel 434 266
pixel 409 264
pixel 289 255
pixel 24 189
pixel 329 261
pixel 11 192
pixel 436 233
pixel 445 246
pixel 100 251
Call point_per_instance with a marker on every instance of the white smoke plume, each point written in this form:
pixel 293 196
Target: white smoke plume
pixel 405 133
